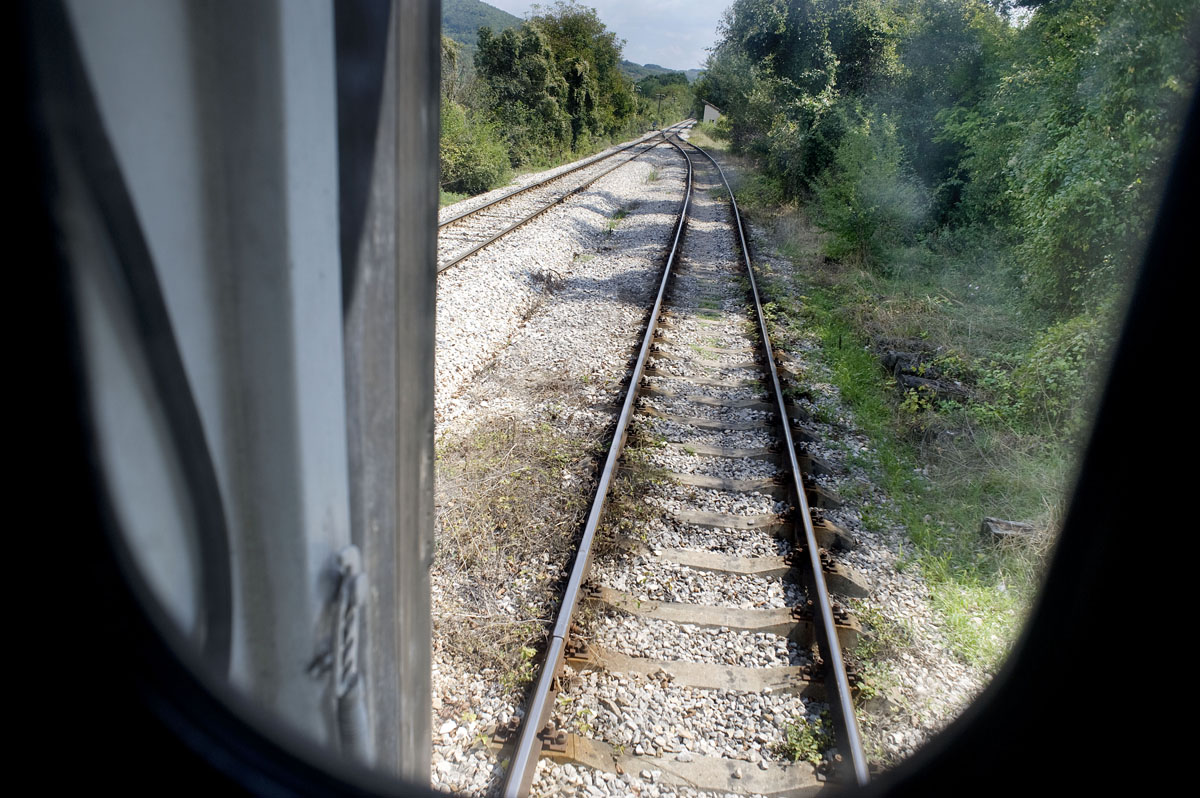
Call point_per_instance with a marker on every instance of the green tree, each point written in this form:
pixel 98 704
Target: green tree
pixel 782 68
pixel 526 92
pixel 667 97
pixel 949 55
pixel 1064 151
pixel 588 55
pixel 868 199
pixel 472 157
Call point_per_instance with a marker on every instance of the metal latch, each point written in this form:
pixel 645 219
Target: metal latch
pixel 349 689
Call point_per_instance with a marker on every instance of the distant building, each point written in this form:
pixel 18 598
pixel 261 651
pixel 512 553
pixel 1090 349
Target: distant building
pixel 711 112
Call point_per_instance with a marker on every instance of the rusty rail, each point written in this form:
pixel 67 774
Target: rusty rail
pixel 835 667
pixel 520 772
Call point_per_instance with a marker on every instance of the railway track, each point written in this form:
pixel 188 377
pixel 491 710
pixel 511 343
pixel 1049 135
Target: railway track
pixel 711 652
pixel 465 233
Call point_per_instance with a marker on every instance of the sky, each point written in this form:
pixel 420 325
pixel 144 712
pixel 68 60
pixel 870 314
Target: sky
pixel 670 33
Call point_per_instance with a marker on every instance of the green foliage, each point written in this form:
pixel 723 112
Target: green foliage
pixel 726 84
pixel 885 638
pixel 1069 146
pixel 997 181
pixel 618 215
pixel 807 739
pixel 866 199
pixel 527 94
pixel 449 198
pixel 776 74
pixel 662 80
pixel 473 158
pixel 948 54
pixel 1054 133
pixel 520 674
pixel 1061 366
pixel 588 55
pixel 862 35
pixel 938 485
pixel 541 91
pixel 666 97
pixel 636 72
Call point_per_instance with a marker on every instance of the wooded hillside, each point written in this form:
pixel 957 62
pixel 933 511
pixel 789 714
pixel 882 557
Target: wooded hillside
pixel 540 93
pixel 462 19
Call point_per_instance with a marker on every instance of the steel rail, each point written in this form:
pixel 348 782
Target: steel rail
pixel 520 773
pixel 563 198
pixel 834 661
pixel 552 178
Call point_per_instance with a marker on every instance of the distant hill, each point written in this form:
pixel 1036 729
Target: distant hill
pixel 639 71
pixel 462 19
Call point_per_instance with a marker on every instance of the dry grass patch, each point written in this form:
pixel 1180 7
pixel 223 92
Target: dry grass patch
pixel 511 499
pixel 627 513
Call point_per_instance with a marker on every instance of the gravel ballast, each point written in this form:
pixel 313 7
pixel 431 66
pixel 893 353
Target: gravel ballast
pixel 650 715
pixel 516 351
pixel 538 331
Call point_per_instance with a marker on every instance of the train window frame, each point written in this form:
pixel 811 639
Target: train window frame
pixel 124 665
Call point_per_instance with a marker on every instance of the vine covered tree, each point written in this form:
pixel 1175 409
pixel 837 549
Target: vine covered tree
pixel 526 91
pixel 588 54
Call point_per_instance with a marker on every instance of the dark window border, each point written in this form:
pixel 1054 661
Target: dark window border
pixel 1077 706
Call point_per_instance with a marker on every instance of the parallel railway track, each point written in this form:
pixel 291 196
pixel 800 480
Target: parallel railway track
pixel 736 530
pixel 465 233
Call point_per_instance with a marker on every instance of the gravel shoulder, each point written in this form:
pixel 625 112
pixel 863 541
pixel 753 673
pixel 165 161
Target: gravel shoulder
pixel 518 182
pixel 573 255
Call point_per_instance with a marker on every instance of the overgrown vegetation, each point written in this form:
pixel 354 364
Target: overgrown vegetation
pixel 965 187
pixel 922 123
pixel 943 465
pixel 510 503
pixel 540 93
pixel 807 739
pixel 666 98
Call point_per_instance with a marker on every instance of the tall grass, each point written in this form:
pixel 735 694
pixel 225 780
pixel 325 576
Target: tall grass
pixel 944 467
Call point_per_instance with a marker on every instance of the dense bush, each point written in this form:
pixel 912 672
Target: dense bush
pixel 1054 132
pixel 867 199
pixel 526 94
pixel 919 129
pixel 1083 168
pixel 1060 368
pixel 588 55
pixel 473 157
